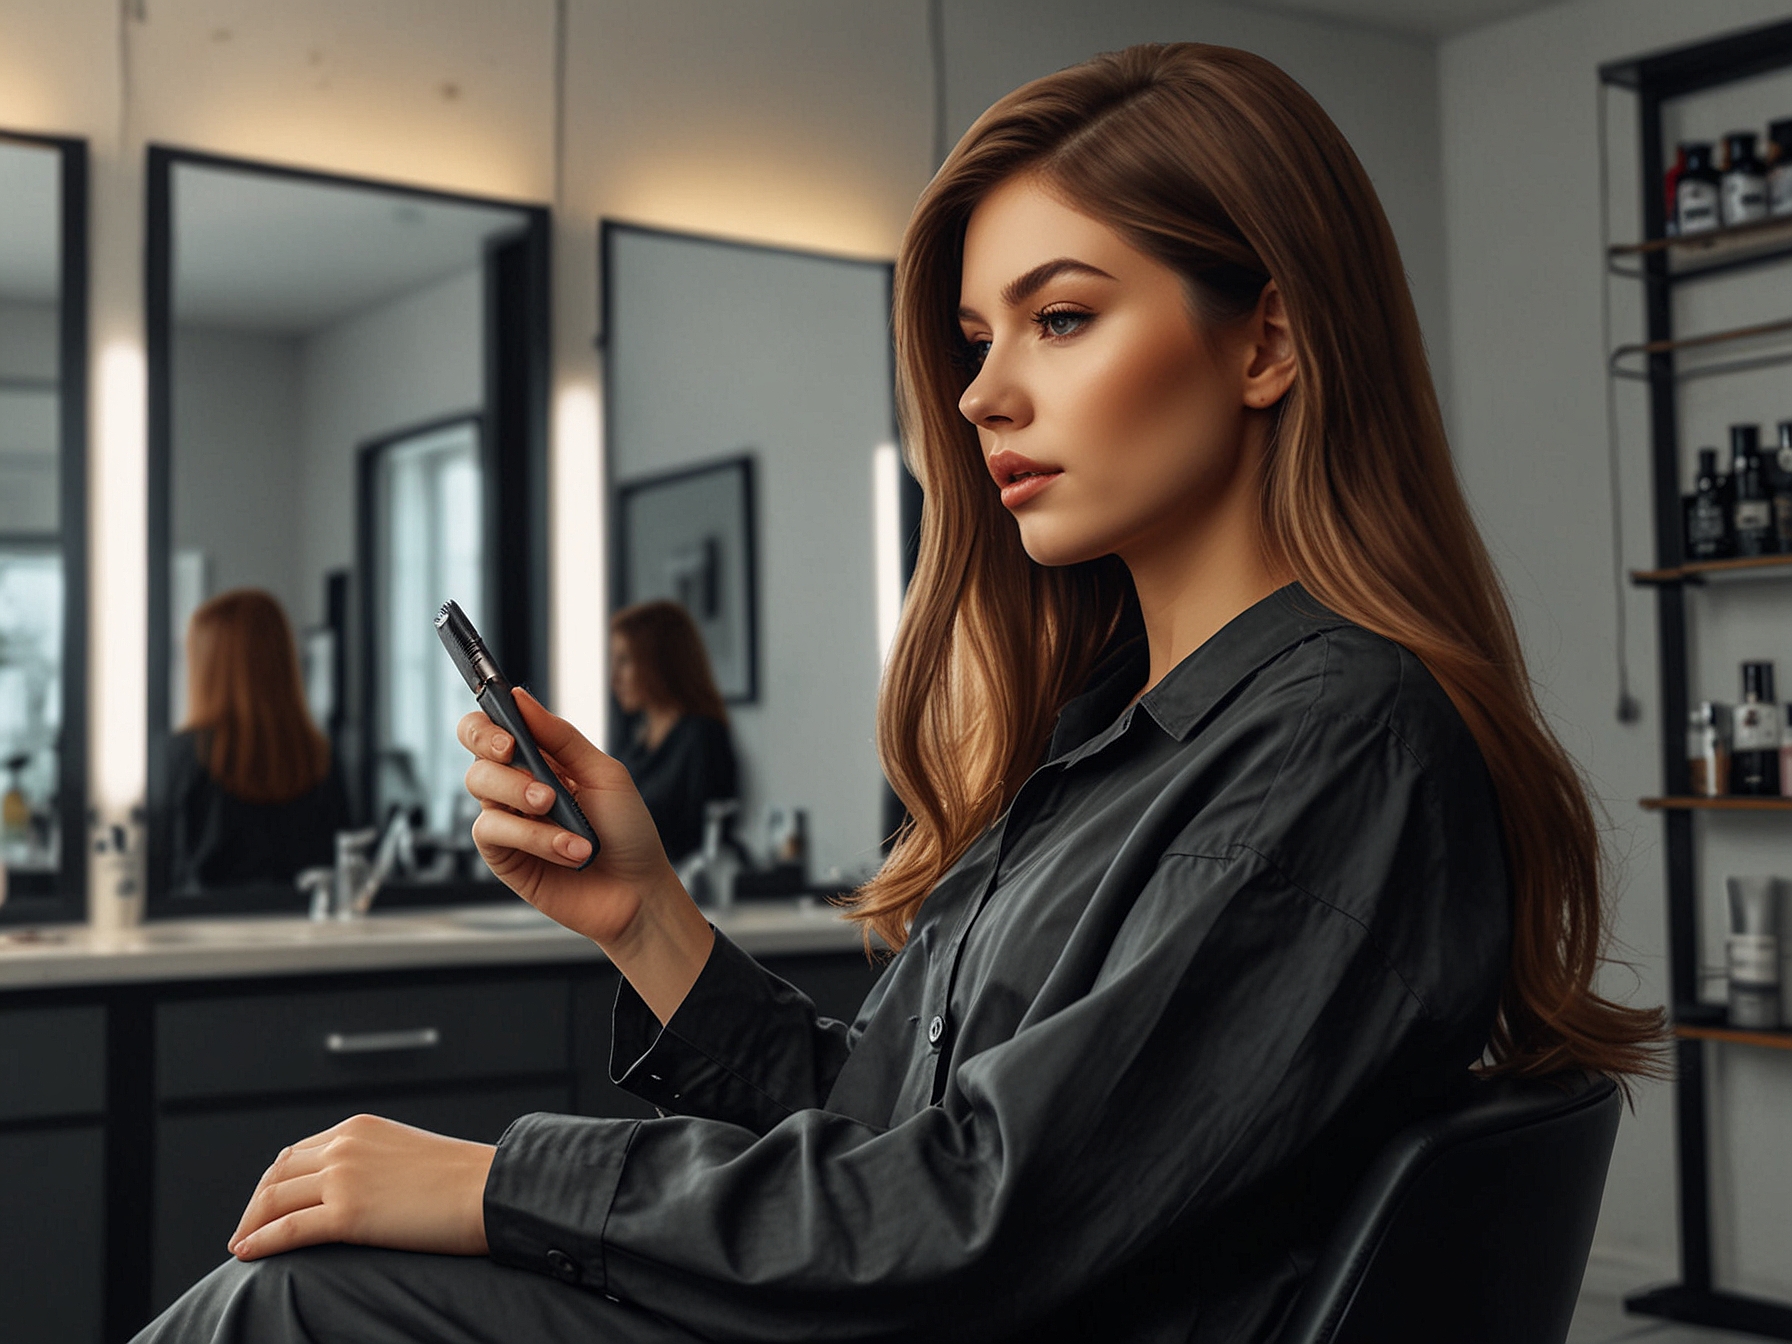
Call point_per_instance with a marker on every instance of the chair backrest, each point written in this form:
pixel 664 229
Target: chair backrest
pixel 1472 1226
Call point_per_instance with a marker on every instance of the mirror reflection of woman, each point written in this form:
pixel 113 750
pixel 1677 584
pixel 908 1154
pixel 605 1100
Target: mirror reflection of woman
pixel 675 743
pixel 253 793
pixel 1237 835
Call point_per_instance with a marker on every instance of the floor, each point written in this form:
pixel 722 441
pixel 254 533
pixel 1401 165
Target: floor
pixel 1601 1319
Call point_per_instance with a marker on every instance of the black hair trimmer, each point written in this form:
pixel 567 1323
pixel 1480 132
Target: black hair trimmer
pixel 492 691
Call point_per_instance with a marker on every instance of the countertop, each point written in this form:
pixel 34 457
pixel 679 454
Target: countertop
pixel 477 935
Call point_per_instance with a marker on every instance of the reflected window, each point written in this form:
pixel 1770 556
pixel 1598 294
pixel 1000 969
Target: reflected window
pixel 31 613
pixel 43 352
pixel 428 547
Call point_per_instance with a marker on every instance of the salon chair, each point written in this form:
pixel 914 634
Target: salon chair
pixel 1472 1226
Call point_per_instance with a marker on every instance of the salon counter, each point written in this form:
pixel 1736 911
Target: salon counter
pixel 148 1076
pixel 508 933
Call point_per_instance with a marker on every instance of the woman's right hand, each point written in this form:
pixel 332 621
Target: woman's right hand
pixel 628 901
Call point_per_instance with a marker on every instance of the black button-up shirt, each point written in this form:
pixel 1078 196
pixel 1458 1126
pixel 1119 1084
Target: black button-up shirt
pixel 1144 1037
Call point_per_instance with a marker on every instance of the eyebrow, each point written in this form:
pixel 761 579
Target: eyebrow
pixel 1023 287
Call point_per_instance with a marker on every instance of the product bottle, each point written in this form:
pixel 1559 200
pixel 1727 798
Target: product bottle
pixel 1708 533
pixel 1744 180
pixel 1785 744
pixel 1780 477
pixel 1670 182
pixel 1752 512
pixel 1752 952
pixel 1708 750
pixel 1696 195
pixel 1755 735
pixel 1779 168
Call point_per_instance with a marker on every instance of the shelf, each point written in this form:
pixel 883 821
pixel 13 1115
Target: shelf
pixel 1695 571
pixel 1774 1039
pixel 1728 803
pixel 1704 341
pixel 1710 253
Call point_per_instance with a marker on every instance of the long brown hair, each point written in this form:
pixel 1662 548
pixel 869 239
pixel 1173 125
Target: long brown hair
pixel 245 701
pixel 1219 165
pixel 670 658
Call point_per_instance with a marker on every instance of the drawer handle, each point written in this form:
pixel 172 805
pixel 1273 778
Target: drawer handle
pixel 375 1042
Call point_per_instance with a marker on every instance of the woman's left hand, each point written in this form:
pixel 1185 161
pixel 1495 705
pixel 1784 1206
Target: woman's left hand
pixel 372 1182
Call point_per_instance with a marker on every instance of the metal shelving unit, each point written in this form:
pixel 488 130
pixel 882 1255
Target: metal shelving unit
pixel 1662 264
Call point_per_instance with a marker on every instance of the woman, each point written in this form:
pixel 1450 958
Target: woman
pixel 253 795
pixel 676 744
pixel 1236 834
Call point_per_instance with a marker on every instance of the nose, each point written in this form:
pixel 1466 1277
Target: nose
pixel 995 399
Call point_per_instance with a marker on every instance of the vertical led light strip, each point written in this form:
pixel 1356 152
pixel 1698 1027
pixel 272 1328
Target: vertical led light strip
pixel 120 584
pixel 579 619
pixel 886 516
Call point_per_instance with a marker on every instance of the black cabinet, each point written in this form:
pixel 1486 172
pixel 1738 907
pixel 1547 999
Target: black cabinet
pixel 52 1174
pixel 135 1120
pixel 238 1076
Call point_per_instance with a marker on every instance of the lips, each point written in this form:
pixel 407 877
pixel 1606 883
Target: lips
pixel 1020 478
pixel 1009 467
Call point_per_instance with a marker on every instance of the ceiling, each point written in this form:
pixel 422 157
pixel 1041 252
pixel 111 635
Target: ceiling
pixel 1417 18
pixel 286 255
pixel 30 222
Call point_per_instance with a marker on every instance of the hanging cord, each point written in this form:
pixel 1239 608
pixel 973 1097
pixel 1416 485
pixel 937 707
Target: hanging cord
pixel 1629 709
pixel 560 21
pixel 936 44
pixel 129 12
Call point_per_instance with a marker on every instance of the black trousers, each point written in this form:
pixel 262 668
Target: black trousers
pixel 359 1295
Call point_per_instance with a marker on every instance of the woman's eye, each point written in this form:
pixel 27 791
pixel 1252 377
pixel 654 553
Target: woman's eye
pixel 971 354
pixel 1061 322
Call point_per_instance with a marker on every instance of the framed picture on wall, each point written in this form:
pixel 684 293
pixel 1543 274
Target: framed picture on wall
pixel 688 536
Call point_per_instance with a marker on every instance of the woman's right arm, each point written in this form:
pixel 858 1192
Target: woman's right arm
pixel 628 901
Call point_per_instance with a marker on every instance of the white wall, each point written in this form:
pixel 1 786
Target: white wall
pixel 1522 212
pixel 238 467
pixel 414 359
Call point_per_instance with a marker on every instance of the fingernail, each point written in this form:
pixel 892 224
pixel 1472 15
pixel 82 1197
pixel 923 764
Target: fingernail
pixel 501 742
pixel 577 847
pixel 540 795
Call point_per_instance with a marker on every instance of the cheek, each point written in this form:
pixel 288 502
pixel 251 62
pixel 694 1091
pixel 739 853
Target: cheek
pixel 1159 402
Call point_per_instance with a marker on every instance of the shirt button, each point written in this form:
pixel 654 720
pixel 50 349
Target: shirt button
pixel 563 1266
pixel 935 1030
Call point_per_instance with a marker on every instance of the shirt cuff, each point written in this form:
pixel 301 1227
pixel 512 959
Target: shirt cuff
pixel 549 1191
pixel 700 1062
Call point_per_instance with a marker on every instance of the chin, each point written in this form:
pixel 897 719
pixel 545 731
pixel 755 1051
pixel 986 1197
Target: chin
pixel 1054 547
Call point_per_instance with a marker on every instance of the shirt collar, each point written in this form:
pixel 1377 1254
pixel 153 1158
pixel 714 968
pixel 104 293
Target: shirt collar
pixel 1179 702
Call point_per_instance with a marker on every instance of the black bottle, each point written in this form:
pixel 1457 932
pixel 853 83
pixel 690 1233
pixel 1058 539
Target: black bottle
pixel 1696 194
pixel 1780 476
pixel 1752 516
pixel 1707 514
pixel 1755 735
pixel 1744 180
pixel 1779 168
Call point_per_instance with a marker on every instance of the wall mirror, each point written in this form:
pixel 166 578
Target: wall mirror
pixel 726 363
pixel 347 415
pixel 43 446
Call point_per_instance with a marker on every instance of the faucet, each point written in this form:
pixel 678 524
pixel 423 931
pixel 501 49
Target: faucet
pixel 347 890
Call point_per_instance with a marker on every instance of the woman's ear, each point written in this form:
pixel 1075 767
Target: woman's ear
pixel 1270 365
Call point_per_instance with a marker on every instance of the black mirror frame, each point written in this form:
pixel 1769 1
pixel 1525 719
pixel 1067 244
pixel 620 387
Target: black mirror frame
pixel 517 378
pixel 69 901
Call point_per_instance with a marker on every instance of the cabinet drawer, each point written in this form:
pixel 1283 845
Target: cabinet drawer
pixel 318 1039
pixel 53 1061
